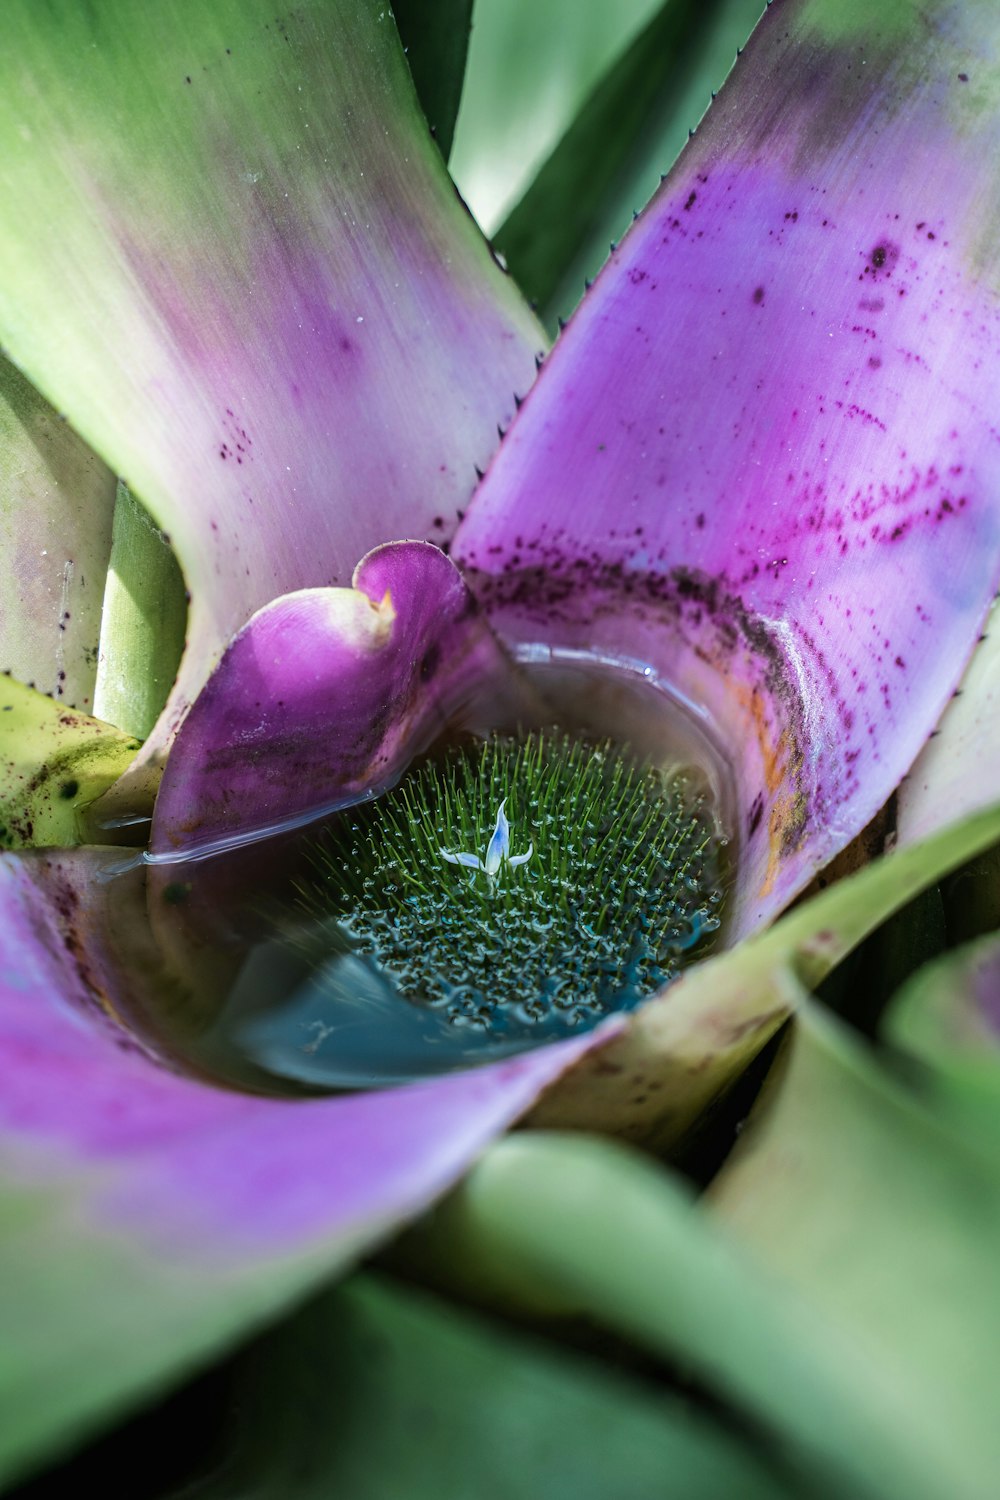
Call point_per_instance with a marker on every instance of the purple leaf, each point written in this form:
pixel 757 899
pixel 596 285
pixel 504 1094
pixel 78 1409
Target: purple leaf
pixel 323 697
pixel 763 457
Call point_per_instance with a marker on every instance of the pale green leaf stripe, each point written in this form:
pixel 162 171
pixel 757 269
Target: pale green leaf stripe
pixel 142 629
pixel 530 68
pixel 56 504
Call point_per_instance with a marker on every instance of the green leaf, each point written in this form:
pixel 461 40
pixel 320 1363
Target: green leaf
pixel 611 157
pixel 947 1022
pixel 56 504
pixel 530 69
pixel 54 763
pixel 63 1371
pixel 142 630
pixel 376 1391
pixel 572 1225
pixel 436 39
pixel 971 899
pixel 868 1209
pixel 859 989
pixel 685 1046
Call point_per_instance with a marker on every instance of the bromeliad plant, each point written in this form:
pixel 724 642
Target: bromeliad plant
pixel 760 468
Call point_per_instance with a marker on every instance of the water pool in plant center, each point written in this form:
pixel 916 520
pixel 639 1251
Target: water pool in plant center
pixel 555 856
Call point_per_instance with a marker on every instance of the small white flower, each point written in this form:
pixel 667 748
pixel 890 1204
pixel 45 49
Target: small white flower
pixel 497 851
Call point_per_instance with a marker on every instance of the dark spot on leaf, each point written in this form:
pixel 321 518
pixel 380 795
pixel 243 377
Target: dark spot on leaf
pixel 881 260
pixel 69 790
pixel 430 663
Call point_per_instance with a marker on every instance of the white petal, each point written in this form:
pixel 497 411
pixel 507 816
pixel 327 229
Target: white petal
pixel 470 861
pixel 521 859
pixel 498 848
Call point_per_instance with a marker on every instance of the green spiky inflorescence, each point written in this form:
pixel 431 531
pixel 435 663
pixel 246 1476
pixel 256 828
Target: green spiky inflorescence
pixel 623 883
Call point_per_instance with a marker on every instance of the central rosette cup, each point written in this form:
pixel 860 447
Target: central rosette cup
pixel 409 845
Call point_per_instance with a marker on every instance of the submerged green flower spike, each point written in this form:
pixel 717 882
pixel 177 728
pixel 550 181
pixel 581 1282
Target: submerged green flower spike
pixel 621 877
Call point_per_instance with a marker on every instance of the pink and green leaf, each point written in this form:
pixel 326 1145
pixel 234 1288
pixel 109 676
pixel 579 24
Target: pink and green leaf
pixel 264 306
pixel 208 344
pixel 149 1219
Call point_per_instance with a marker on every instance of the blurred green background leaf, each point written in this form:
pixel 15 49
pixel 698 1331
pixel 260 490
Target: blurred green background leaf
pixel 557 144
